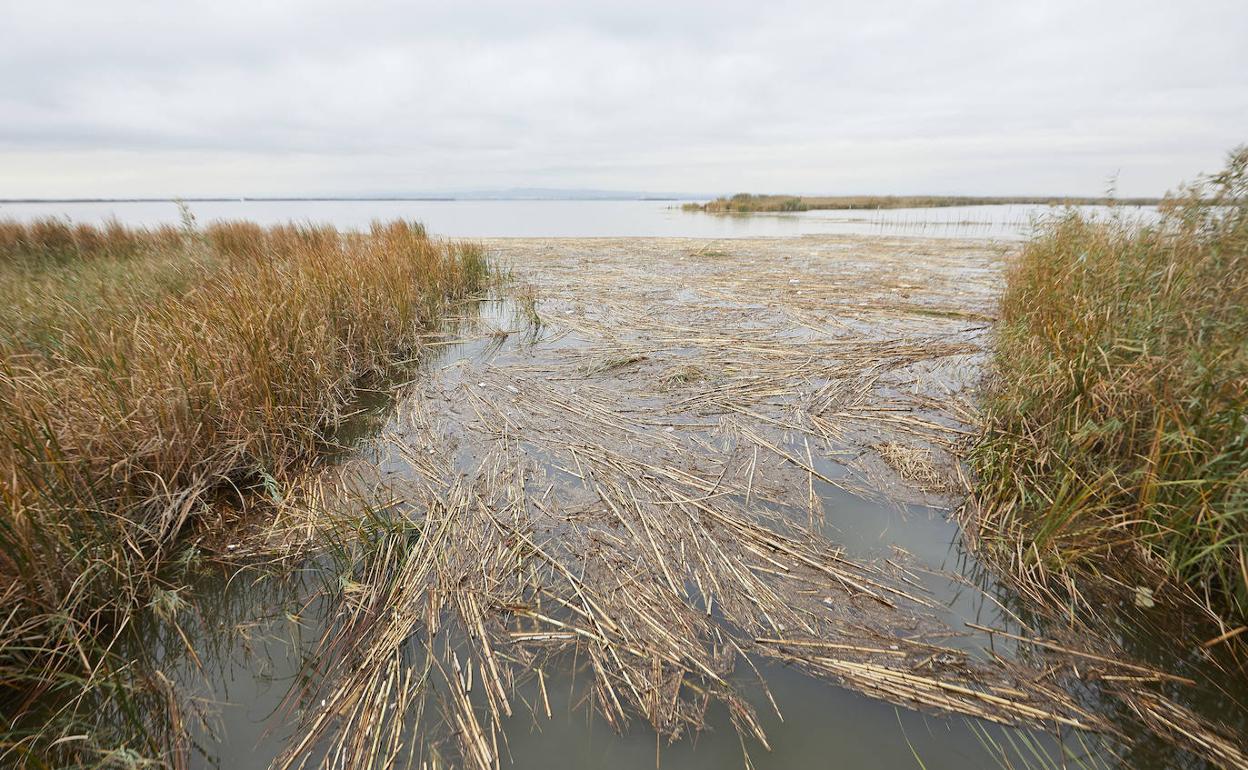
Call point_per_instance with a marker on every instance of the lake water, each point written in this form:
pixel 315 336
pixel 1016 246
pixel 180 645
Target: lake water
pixel 582 219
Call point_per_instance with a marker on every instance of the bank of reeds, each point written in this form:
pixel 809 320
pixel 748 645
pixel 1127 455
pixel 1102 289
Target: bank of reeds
pixel 1117 420
pixel 742 203
pixel 148 375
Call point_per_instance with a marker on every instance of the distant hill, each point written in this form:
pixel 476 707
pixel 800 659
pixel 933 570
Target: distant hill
pixel 563 194
pixel 513 194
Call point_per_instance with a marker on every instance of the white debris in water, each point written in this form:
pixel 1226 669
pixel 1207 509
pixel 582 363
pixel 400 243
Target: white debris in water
pixel 480 384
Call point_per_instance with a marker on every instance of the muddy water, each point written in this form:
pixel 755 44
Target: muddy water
pixel 608 332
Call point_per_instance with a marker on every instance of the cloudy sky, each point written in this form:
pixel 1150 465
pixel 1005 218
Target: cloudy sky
pixel 252 97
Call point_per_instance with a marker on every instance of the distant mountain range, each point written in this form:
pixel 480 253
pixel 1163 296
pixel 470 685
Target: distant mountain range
pixel 513 194
pixel 560 194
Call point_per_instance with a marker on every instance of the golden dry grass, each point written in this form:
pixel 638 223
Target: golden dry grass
pixel 147 374
pixel 1116 432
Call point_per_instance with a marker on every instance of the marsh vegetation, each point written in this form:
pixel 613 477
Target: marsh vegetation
pixel 743 203
pixel 1117 418
pixel 154 381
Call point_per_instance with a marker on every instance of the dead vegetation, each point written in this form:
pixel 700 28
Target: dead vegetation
pixel 146 375
pixel 550 509
pixel 644 490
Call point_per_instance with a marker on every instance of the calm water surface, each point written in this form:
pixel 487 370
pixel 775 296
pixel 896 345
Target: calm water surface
pixel 251 650
pixel 582 219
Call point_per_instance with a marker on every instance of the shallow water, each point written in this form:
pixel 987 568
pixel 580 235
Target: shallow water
pixel 253 650
pixel 247 676
pixel 254 632
pixel 581 219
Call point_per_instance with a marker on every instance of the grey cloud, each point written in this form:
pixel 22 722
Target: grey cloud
pixel 138 97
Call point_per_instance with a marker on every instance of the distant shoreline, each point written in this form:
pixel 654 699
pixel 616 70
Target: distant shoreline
pixel 743 203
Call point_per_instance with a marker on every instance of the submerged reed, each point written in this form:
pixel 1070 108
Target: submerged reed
pixel 145 375
pixel 1118 417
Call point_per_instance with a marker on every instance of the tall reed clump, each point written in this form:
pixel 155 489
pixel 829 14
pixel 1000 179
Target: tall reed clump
pixel 1117 417
pixel 142 372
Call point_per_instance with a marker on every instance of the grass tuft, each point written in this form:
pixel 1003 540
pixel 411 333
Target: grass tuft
pixel 147 374
pixel 1118 415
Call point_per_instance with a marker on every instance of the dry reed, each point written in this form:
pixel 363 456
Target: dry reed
pixel 665 530
pixel 1116 438
pixel 148 376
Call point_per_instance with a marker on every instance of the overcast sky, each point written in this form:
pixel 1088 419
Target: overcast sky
pixel 153 97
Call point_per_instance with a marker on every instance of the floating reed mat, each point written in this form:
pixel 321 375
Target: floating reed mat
pixel 627 474
pixel 660 591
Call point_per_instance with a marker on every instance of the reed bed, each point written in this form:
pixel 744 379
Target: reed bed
pixel 1116 439
pixel 150 379
pixel 743 203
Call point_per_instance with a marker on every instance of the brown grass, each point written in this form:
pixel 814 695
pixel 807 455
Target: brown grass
pixel 144 373
pixel 1117 419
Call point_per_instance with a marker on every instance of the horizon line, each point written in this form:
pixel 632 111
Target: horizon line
pixel 515 198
